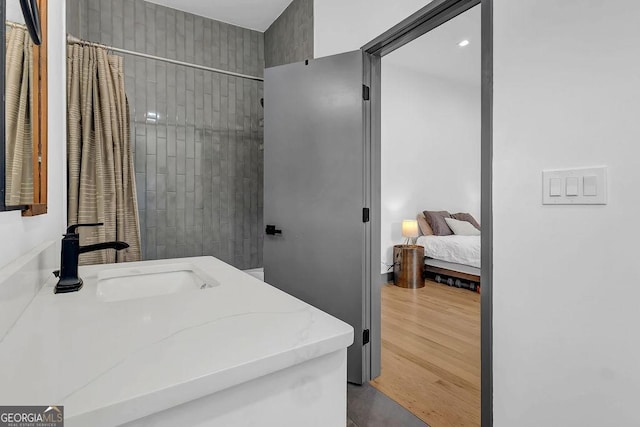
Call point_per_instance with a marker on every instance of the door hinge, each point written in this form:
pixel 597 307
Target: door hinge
pixel 365 214
pixel 365 92
pixel 365 337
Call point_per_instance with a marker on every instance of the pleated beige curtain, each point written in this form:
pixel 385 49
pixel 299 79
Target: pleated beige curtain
pixel 101 178
pixel 19 133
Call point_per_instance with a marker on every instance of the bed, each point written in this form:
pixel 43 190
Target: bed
pixel 452 259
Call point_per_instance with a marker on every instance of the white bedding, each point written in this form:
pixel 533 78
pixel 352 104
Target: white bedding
pixel 458 249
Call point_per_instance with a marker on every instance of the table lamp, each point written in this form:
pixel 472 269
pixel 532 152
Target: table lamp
pixel 410 229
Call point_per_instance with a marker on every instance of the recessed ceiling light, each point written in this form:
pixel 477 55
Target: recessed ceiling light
pixel 463 43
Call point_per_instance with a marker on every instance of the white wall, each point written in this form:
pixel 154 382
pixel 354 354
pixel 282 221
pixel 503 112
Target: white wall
pixel 14 11
pixel 566 281
pixel 567 93
pixel 20 234
pixel 430 148
pixel 343 26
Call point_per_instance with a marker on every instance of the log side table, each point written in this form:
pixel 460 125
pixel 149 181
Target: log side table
pixel 408 263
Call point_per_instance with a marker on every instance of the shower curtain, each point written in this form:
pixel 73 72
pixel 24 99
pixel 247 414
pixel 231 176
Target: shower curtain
pixel 101 178
pixel 19 135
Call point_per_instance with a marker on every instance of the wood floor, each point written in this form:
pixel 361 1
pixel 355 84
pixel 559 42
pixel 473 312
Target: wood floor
pixel 431 353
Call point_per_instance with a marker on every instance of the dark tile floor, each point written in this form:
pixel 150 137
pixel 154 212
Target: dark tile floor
pixel 367 407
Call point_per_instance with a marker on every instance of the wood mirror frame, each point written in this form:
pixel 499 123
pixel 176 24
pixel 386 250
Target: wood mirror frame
pixel 39 110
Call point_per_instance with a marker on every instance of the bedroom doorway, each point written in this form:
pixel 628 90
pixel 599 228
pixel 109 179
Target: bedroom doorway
pixel 437 60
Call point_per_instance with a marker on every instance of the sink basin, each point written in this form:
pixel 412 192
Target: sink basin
pixel 150 281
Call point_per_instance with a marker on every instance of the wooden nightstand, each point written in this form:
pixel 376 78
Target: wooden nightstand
pixel 408 263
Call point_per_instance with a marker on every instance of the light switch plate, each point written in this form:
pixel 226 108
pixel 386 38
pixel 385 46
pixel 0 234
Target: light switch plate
pixel 555 187
pixel 584 186
pixel 572 186
pixel 590 185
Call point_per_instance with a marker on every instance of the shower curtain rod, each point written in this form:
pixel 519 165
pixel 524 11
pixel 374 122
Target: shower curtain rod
pixel 15 25
pixel 74 40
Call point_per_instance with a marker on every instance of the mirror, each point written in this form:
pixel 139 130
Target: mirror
pixel 23 139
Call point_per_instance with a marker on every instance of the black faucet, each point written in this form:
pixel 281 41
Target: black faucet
pixel 71 250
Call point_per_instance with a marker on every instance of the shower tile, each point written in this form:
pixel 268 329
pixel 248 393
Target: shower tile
pixel 171 174
pixel 128 24
pixel 161 131
pixel 171 33
pixel 140 190
pixel 150 216
pixel 190 176
pixel 161 252
pixel 151 138
pixel 140 32
pixel 161 228
pixel 94 16
pixel 181 116
pixel 189 37
pixel 171 238
pixel 240 50
pixel 190 107
pixel 150 26
pixel 199 193
pixel 231 48
pixel 140 160
pixel 151 172
pixel 198 39
pixel 181 250
pixel 106 30
pixel 181 235
pixel 222 45
pixel 161 191
pixel 161 153
pixel 181 156
pixel 180 35
pixel 199 218
pixel 171 140
pixel 190 142
pixel 181 192
pixel 190 209
pixel 199 166
pixel 246 253
pixel 172 208
pixel 207 222
pixel 151 250
pixel 199 158
pixel 214 46
pixel 161 31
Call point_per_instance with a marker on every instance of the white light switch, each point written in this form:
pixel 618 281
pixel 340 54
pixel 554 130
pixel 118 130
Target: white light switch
pixel 584 186
pixel 590 185
pixel 555 187
pixel 572 186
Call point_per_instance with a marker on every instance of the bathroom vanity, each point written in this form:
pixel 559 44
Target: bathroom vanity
pixel 189 341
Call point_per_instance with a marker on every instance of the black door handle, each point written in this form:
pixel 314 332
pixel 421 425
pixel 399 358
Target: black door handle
pixel 272 231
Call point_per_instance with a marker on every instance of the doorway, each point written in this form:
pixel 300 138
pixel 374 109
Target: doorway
pixel 432 16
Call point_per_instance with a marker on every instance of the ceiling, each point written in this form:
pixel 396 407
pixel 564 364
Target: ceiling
pixel 254 14
pixel 437 53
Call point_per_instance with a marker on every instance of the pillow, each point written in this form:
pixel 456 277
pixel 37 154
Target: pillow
pixel 436 221
pixel 462 228
pixel 424 225
pixel 466 217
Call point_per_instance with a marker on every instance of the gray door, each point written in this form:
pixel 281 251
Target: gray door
pixel 314 189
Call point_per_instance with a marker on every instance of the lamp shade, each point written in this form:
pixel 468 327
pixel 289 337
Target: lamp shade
pixel 410 228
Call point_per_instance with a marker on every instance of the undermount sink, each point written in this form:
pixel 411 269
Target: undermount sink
pixel 153 280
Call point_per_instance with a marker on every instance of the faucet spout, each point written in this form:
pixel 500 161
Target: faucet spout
pixel 118 246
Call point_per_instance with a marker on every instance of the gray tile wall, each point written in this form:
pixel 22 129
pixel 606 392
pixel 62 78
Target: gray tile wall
pixel 199 163
pixel 290 38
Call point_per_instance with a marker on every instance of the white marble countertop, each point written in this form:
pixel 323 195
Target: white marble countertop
pixel 112 362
